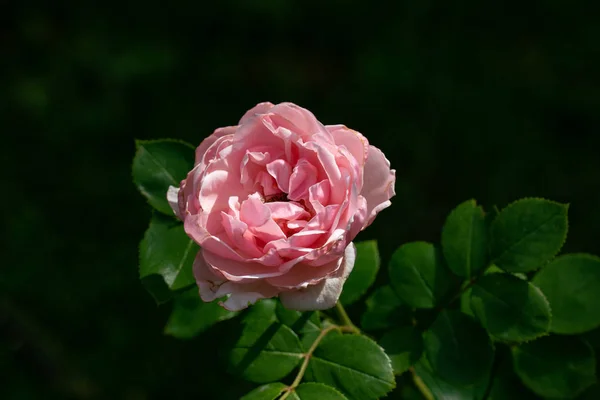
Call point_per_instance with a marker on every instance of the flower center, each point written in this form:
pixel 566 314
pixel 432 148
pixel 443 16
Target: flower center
pixel 276 197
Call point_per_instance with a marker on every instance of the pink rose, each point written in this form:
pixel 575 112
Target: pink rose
pixel 274 204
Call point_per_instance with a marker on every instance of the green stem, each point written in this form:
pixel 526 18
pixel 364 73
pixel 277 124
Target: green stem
pixel 466 285
pixel 425 392
pixel 347 326
pixel 308 355
pixel 344 318
pixel 463 288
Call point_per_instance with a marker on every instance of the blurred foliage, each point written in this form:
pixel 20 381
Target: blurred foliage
pixel 494 101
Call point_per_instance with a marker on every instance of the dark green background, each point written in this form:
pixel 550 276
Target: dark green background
pixel 494 101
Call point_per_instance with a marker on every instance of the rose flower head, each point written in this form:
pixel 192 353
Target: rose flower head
pixel 274 204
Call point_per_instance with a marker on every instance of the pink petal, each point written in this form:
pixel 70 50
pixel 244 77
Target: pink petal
pixel 209 141
pixel 257 133
pixel 260 108
pixel 216 186
pixel 302 178
pixel 324 218
pixel 285 250
pixel 303 275
pixel 240 295
pixel 349 167
pixel 211 188
pixel 296 224
pixel 286 210
pixel 258 218
pixel 354 141
pixel 244 295
pixel 189 191
pixel 182 200
pixel 331 245
pixel 290 140
pixel 209 282
pixel 240 236
pixel 267 184
pixel 318 195
pixel 305 238
pixel 251 166
pixel 379 180
pixel 327 160
pixel 281 171
pixel 253 212
pixel 195 227
pixel 358 220
pixel 234 270
pixel 234 206
pixel 299 120
pixel 324 294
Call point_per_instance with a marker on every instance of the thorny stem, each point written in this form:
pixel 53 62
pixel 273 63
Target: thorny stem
pixel 348 327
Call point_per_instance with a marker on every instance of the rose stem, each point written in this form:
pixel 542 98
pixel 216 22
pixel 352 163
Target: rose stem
pixel 344 319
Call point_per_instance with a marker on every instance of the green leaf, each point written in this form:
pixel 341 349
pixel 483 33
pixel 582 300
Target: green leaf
pixel 158 289
pixel 191 316
pixel 527 234
pixel 167 252
pixel 404 346
pixel 407 392
pixel 267 350
pixel 571 284
pixel 443 390
pixel 316 391
pixel 592 393
pixel 300 322
pixel 593 338
pixel 158 164
pixel 384 310
pixel 506 385
pixel 364 272
pixel 509 308
pixel 458 349
pixel 464 239
pixel 465 303
pixel 556 366
pixel 307 325
pixel 354 364
pixel 270 391
pixel 491 215
pixel 494 269
pixel 418 275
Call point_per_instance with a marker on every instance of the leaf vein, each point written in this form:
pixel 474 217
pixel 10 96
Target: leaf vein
pixel 429 290
pixel 183 258
pixel 528 234
pixel 275 352
pixel 161 166
pixel 470 246
pixel 351 370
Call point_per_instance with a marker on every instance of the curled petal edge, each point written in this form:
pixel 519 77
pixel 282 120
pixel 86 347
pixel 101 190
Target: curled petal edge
pixel 326 293
pixel 173 199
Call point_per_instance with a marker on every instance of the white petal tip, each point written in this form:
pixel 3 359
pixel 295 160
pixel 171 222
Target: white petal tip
pixel 324 294
pixel 173 199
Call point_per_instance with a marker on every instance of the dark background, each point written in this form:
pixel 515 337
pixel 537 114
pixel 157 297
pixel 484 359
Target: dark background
pixel 492 101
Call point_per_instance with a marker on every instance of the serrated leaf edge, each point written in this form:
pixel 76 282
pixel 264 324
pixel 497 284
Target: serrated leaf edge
pixel 472 202
pixel 514 203
pixel 521 341
pixel 139 142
